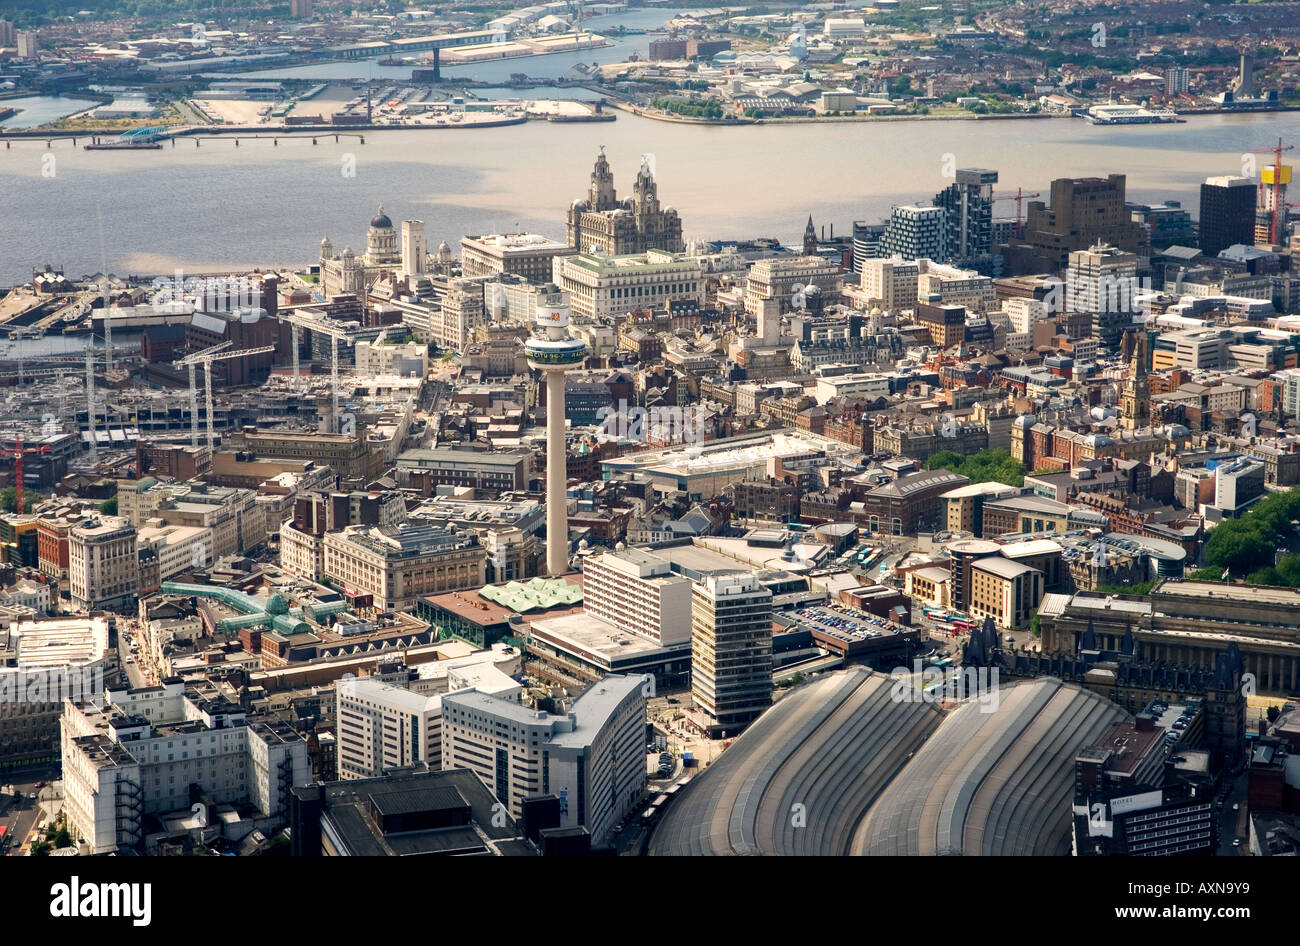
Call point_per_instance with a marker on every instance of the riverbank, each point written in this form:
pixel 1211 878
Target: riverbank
pixel 278 131
pixel 668 117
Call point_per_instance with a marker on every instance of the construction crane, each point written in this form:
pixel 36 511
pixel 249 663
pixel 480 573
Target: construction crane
pixel 206 358
pixel 17 452
pixel 189 362
pixel 297 322
pixel 1275 176
pixel 1018 197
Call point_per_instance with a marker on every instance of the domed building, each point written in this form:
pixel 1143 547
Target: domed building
pixel 349 273
pixel 381 241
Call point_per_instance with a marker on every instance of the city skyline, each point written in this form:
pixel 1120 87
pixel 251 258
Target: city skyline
pixel 646 431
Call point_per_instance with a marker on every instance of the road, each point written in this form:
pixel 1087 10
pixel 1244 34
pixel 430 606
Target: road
pixel 1234 824
pixel 20 818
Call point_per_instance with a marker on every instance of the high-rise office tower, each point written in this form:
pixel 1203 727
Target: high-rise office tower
pixel 731 650
pixel 1083 212
pixel 968 203
pixel 553 352
pixel 866 242
pixel 1227 213
pixel 1101 282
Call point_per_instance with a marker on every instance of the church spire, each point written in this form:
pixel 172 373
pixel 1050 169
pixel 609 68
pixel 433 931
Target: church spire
pixel 810 238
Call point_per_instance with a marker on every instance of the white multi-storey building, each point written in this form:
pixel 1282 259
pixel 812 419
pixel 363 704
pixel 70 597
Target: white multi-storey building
pixel 139 752
pixel 601 286
pixel 103 563
pixel 774 285
pixel 891 282
pixel 381 726
pixel 593 758
pixel 302 553
pixel 638 591
pixel 43 662
pixel 179 548
pixel 953 285
pixel 529 255
pixel 1102 282
pixel 1025 313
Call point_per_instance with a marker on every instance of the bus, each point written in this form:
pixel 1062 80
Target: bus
pixel 934 614
pixel 961 624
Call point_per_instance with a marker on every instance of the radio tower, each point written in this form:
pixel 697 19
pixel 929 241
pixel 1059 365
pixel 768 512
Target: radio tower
pixel 553 352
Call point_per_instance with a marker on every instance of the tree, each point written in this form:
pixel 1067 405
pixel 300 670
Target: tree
pixel 109 506
pixel 997 466
pixel 62 838
pixel 9 500
pixel 1036 626
pixel 1240 545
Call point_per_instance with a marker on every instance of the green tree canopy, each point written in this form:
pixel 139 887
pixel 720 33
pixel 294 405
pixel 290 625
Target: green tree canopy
pixel 996 466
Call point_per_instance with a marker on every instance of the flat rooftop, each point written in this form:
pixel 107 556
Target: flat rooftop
pixel 61 642
pixel 733 453
pixel 1251 594
pixel 588 635
pixel 471 606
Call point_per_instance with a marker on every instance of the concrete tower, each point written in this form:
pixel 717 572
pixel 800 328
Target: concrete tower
pixel 414 253
pixel 552 352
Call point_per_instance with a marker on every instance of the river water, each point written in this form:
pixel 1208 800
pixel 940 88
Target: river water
pixel 218 205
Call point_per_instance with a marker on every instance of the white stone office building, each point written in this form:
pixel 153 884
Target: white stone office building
pixel 891 282
pixel 637 591
pixel 103 564
pixel 137 752
pixel 381 726
pixel 593 758
pixel 611 286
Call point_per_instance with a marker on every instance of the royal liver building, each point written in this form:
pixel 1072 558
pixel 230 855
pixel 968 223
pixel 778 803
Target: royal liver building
pixel 602 223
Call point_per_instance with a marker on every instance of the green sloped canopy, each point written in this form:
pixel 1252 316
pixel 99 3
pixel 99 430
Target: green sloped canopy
pixel 538 594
